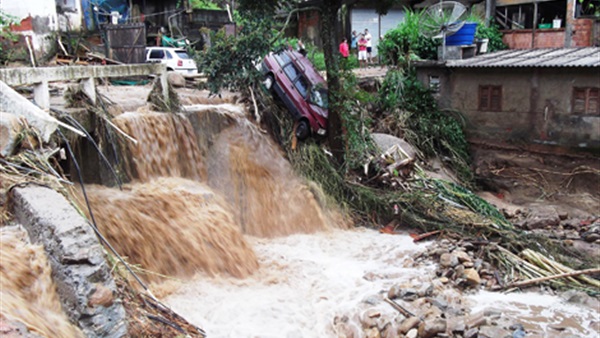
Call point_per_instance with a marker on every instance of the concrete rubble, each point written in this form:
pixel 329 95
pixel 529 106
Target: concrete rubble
pixel 10 128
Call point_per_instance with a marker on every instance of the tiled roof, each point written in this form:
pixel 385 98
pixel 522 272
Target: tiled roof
pixel 548 57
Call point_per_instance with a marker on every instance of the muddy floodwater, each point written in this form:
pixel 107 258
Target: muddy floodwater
pixel 306 281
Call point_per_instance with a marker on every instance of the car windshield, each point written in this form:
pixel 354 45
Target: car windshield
pixel 182 54
pixel 318 96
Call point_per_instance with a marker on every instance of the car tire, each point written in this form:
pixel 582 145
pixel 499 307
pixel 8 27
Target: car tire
pixel 302 130
pixel 268 82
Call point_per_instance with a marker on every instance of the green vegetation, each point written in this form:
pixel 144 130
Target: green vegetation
pixel 6 36
pixel 489 31
pixel 405 43
pixel 204 4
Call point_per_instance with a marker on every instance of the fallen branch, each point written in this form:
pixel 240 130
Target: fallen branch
pixel 120 131
pixel 256 114
pixel 547 278
pixel 399 307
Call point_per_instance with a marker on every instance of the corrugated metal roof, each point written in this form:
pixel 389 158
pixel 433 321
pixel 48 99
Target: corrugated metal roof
pixel 548 57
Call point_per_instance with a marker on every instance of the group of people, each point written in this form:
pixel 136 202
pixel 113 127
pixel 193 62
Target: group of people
pixel 361 42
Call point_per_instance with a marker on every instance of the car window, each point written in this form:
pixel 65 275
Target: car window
pixel 156 54
pixel 282 59
pixel 318 96
pixel 302 86
pixel 182 54
pixel 169 56
pixel 291 71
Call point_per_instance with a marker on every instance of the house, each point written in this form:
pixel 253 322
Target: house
pixel 548 23
pixel 531 97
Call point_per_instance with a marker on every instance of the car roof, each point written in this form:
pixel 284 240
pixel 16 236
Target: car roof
pixel 308 68
pixel 168 48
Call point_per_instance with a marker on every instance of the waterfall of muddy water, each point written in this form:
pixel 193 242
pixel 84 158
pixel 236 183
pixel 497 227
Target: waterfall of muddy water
pixel 268 199
pixel 172 226
pixel 166 146
pixel 27 293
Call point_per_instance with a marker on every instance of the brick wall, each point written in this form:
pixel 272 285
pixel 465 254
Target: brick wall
pixel 582 36
pixel 582 32
pixel 544 38
pixel 550 38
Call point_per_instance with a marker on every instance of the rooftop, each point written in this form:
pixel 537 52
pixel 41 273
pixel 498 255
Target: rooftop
pixel 548 57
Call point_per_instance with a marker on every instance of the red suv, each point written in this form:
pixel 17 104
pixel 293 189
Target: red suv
pixel 302 89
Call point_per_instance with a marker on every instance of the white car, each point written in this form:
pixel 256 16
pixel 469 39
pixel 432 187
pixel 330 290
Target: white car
pixel 176 59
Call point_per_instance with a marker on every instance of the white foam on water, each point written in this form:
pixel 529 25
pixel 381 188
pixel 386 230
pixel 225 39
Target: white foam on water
pixel 538 312
pixel 304 281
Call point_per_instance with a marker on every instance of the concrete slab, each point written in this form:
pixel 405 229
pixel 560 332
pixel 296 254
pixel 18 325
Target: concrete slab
pixel 79 267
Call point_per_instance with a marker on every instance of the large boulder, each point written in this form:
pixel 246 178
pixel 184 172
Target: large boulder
pixel 386 141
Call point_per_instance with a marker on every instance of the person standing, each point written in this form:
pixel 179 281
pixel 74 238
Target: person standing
pixel 354 41
pixel 345 51
pixel 368 37
pixel 362 51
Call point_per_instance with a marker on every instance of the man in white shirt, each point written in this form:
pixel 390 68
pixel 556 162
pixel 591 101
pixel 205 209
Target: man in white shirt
pixel 369 39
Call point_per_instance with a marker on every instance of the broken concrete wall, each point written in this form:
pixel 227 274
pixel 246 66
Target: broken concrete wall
pixel 79 268
pixel 37 18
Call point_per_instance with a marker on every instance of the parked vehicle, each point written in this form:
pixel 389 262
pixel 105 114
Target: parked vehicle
pixel 176 59
pixel 294 79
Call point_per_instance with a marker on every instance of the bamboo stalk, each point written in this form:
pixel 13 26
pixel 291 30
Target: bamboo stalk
pixel 547 278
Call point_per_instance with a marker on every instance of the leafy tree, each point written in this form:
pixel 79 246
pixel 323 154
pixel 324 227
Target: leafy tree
pixel 6 36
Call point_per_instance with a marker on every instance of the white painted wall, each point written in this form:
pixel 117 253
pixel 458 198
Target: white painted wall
pixel 23 8
pixel 376 24
pixel 72 17
pixel 37 9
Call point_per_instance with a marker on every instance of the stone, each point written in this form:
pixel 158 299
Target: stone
pixel 393 292
pixel 386 141
pixel 468 264
pixel 408 294
pixel 541 216
pixel 412 333
pixel 456 325
pixel 448 260
pixel 430 328
pixel 493 332
pixel 408 324
pixel 471 333
pixel 10 128
pixel 462 256
pixel 476 320
pixel 372 333
pixel 176 80
pixel 472 277
pixel 444 280
pixel 425 290
pixel 369 318
pixel 79 268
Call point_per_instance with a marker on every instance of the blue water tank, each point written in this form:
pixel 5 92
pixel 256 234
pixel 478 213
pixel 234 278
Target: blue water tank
pixel 464 36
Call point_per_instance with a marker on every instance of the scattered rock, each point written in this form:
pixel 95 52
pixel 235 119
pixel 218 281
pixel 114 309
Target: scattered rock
pixel 369 318
pixel 476 320
pixel 472 277
pixel 430 328
pixel 408 324
pixel 448 260
pixel 372 333
pixel 412 333
pixel 492 332
pixel 471 333
pixel 541 216
pixel 462 256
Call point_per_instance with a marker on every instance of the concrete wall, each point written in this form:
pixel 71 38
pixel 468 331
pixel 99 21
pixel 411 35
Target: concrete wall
pixel 39 20
pixel 536 104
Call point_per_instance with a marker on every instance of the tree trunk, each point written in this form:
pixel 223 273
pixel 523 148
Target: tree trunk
pixel 329 19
